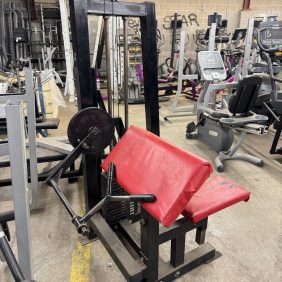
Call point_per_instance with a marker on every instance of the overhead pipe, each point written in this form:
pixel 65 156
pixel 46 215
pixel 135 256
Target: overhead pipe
pixel 246 5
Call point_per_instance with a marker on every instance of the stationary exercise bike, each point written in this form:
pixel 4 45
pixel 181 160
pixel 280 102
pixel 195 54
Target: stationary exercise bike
pixel 216 127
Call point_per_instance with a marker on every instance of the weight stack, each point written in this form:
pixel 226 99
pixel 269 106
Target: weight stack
pixel 113 212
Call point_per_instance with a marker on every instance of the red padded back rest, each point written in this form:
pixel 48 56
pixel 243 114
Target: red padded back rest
pixel 147 164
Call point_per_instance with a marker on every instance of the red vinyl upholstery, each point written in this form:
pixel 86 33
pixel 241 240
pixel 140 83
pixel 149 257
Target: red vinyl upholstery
pixel 216 194
pixel 147 164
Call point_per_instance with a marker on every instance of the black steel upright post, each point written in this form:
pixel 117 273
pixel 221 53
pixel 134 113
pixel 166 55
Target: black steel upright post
pixel 80 42
pixel 150 228
pixel 86 95
pixel 150 245
pixel 10 257
pixel 173 39
pixel 150 68
pixel 274 149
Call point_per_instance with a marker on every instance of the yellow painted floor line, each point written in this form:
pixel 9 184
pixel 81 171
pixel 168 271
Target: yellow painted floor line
pixel 80 267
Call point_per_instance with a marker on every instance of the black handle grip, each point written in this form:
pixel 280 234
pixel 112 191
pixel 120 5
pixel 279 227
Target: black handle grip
pixel 7 216
pixel 143 198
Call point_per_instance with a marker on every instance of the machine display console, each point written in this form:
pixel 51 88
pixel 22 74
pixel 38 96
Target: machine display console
pixel 211 66
pixel 271 35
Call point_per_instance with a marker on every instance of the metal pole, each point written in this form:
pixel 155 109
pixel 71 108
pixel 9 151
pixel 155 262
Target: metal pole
pixel 43 29
pixel 86 96
pixel 15 25
pixel 31 120
pixel 150 68
pixel 97 41
pixel 180 71
pixel 108 63
pixel 212 37
pixel 11 38
pixel 18 79
pixel 68 51
pixel 174 107
pixel 248 47
pixel 16 137
pixel 29 27
pixel 125 75
pixel 9 257
pixel 173 40
pixel 4 58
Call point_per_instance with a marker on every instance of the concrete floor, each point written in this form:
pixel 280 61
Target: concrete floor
pixel 248 234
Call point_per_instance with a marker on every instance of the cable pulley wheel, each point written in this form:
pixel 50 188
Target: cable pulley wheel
pixel 91 119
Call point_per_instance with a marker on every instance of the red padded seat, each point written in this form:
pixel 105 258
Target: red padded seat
pixel 214 195
pixel 147 164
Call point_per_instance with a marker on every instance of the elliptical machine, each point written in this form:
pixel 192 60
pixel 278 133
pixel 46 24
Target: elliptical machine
pixel 216 127
pixel 269 39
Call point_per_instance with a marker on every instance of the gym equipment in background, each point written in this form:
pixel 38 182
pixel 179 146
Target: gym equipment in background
pixel 257 61
pixel 14 35
pixel 214 36
pixel 269 38
pixel 175 109
pixel 216 127
pixel 233 53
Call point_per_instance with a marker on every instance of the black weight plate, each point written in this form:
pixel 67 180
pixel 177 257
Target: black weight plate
pixel 89 118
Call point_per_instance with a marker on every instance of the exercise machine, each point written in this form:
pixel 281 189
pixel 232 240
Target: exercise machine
pixel 213 75
pixel 216 128
pixel 264 60
pixel 91 131
pixel 269 39
pixel 175 109
pixel 233 54
pixel 215 34
pixel 212 36
pixel 115 217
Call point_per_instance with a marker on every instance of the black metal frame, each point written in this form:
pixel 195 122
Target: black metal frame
pixel 137 259
pixel 80 222
pixel 274 147
pixel 6 249
pixel 136 252
pixel 143 246
pixel 72 174
pixel 86 86
pixel 173 40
